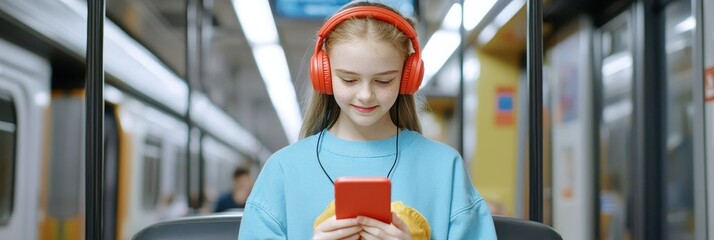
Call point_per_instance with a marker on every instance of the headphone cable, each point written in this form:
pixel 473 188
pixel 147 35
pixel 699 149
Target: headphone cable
pixel 317 153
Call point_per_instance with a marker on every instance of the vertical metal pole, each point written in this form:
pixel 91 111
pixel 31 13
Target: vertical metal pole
pixel 194 9
pixel 94 225
pixel 535 90
pixel 187 118
pixel 199 139
pixel 190 5
pixel 698 129
pixel 597 104
pixel 650 121
pixel 460 104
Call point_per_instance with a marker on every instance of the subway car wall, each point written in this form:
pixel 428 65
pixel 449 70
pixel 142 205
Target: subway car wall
pixel 147 176
pixel 622 159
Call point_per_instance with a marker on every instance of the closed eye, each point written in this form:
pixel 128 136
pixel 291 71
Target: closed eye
pixel 348 80
pixel 380 81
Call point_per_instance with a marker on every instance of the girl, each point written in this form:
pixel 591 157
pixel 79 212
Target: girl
pixel 362 121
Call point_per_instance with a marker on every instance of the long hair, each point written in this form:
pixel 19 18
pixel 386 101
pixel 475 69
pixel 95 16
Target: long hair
pixel 322 111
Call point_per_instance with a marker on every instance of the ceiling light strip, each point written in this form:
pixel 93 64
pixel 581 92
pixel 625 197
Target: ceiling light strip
pixel 258 25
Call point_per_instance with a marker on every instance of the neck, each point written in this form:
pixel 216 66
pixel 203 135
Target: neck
pixel 349 131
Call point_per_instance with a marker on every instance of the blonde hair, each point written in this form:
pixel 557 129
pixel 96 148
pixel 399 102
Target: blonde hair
pixel 322 111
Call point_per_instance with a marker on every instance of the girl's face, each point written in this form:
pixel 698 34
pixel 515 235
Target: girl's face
pixel 365 82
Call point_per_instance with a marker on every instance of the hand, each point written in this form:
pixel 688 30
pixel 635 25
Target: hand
pixel 338 229
pixel 375 229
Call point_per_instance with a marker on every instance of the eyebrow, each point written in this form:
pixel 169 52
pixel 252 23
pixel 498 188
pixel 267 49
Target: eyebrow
pixel 378 74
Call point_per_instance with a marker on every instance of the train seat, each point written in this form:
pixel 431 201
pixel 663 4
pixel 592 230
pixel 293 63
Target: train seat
pixel 225 226
pixel 216 227
pixel 508 228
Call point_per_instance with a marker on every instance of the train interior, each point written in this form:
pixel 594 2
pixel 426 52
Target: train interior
pixel 197 88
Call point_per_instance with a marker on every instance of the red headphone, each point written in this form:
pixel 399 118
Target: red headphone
pixel 412 73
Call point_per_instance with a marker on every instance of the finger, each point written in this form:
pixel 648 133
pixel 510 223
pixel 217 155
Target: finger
pixel 383 230
pixel 355 236
pixel 400 224
pixel 390 232
pixel 368 221
pixel 367 236
pixel 338 233
pixel 387 229
pixel 332 224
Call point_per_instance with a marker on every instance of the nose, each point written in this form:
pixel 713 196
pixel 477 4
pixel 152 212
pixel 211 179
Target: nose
pixel 365 92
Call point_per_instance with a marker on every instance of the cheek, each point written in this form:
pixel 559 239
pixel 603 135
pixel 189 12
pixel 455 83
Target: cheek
pixel 391 92
pixel 340 88
pixel 341 94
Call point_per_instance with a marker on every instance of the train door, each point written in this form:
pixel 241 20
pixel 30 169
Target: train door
pixel 63 183
pixel 678 164
pixel 572 159
pixel 24 84
pixel 111 172
pixel 172 189
pixel 151 164
pixel 614 106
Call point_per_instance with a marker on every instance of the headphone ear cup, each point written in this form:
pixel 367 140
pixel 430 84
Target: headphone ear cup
pixel 320 73
pixel 412 74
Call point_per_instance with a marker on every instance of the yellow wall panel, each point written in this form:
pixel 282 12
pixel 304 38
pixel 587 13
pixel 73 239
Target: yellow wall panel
pixel 493 167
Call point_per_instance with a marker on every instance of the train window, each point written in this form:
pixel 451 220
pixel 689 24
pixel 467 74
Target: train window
pixel 8 130
pixel 151 171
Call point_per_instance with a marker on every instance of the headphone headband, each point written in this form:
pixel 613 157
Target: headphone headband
pixel 364 12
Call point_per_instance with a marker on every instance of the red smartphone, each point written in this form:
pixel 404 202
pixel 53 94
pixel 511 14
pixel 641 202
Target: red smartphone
pixel 363 196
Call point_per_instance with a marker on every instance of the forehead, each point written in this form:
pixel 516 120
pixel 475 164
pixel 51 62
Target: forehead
pixel 365 56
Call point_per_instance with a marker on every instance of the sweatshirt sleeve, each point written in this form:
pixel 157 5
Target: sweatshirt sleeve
pixel 474 222
pixel 257 223
pixel 264 214
pixel 470 216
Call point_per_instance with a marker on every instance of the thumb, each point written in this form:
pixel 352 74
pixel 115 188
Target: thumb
pixel 399 223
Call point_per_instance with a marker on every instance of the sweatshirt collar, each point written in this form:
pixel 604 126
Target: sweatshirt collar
pixel 368 148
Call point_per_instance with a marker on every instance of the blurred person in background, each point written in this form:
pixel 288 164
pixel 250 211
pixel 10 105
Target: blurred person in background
pixel 235 199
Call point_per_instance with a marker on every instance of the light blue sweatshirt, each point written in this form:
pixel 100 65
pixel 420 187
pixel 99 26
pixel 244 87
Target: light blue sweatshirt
pixel 292 190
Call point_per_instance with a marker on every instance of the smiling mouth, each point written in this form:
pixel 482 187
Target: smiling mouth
pixel 364 109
